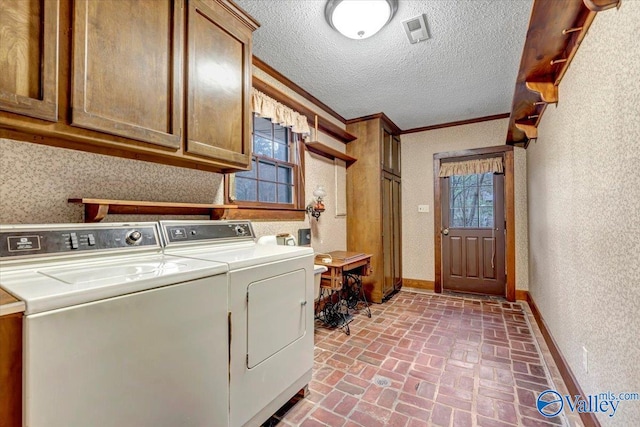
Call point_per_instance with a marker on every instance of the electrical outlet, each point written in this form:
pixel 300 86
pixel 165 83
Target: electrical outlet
pixel 423 208
pixel 304 236
pixel 585 359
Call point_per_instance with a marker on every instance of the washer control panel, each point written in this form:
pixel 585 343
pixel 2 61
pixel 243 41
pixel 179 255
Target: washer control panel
pixel 16 241
pixel 212 231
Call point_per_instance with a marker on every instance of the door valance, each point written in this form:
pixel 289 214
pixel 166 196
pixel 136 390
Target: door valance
pixel 467 167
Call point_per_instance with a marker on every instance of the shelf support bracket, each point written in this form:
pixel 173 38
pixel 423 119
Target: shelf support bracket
pixel 530 130
pixel 547 90
pixel 95 212
pixel 600 5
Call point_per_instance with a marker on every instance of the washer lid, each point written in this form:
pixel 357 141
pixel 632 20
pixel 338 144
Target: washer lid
pixel 52 285
pixel 248 255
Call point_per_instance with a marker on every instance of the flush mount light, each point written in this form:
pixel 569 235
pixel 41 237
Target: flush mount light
pixel 359 19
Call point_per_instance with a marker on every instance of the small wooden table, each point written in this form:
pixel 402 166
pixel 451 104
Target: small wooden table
pixel 341 287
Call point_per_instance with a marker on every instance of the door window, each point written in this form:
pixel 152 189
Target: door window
pixel 471 201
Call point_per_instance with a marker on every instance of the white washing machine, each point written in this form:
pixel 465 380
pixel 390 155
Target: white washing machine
pixel 271 312
pixel 115 332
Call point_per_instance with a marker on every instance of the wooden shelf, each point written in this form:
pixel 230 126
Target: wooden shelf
pixel 328 152
pixel 96 209
pixel 556 29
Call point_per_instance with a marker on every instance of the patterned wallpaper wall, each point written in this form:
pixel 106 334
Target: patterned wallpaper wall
pixel 584 211
pixel 417 189
pixel 36 181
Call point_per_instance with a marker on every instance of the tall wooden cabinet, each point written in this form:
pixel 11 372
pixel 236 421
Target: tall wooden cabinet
pixel 167 81
pixel 374 214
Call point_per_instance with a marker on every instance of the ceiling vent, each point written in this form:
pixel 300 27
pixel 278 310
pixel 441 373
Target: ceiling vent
pixel 416 28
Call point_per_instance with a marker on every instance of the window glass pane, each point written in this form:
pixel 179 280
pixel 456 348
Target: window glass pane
pixel 471 201
pixel 284 174
pixel 486 217
pixel 285 193
pixel 280 133
pixel 262 146
pixel 250 173
pixel 246 189
pixel 471 197
pixel 280 151
pixel 456 200
pixel 470 179
pixel 471 217
pixel 457 218
pixel 262 125
pixel 267 171
pixel 485 179
pixel 266 192
pixel 486 195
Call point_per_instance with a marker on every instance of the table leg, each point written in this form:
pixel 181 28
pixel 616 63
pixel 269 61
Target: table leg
pixel 355 291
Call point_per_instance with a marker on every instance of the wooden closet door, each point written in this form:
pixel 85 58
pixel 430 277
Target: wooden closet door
pixel 127 69
pixel 28 58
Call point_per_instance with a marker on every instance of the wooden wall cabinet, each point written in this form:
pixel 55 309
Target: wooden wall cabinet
pixel 29 58
pixel 218 84
pixel 374 203
pixel 126 69
pixel 166 81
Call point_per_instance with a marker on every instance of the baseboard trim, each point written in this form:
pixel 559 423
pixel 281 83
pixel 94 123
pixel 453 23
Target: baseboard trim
pixel 588 419
pixel 418 284
pixel 521 295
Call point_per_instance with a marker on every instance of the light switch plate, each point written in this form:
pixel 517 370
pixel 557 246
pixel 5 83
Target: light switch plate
pixel 423 208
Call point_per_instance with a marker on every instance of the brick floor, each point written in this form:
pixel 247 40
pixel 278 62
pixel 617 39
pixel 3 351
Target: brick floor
pixel 425 359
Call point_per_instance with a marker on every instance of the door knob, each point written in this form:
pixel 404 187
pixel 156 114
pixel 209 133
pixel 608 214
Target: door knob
pixel 445 231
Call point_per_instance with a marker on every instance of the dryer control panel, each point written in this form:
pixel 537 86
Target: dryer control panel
pixel 209 231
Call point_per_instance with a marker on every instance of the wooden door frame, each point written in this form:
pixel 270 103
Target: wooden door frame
pixel 506 151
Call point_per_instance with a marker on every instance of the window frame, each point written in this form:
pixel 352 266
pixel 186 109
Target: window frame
pixel 268 210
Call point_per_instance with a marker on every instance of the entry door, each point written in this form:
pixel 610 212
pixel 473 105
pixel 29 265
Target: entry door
pixel 473 234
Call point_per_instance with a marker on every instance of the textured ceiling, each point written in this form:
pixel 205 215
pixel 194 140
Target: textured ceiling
pixel 467 69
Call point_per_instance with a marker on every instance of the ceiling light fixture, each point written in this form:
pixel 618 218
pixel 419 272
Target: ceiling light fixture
pixel 359 19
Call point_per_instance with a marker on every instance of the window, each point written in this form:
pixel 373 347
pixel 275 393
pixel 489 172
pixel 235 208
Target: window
pixel 471 201
pixel 275 168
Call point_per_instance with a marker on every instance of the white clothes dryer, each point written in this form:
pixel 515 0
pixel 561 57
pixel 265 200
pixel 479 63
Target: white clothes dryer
pixel 270 312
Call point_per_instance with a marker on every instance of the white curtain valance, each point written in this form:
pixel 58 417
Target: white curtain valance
pixel 265 106
pixel 491 165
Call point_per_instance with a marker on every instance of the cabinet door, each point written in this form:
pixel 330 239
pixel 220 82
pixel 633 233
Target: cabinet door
pixel 126 69
pixel 396 196
pixel 395 155
pixel 387 234
pixel 218 84
pixel 28 58
pixel 387 142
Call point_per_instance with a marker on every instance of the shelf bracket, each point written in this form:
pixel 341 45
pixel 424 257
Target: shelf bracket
pixel 530 130
pixel 547 90
pixel 600 5
pixel 95 212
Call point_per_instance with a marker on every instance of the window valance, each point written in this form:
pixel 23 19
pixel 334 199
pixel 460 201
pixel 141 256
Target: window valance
pixel 467 167
pixel 265 106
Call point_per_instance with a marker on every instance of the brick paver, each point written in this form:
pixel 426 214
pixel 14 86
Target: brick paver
pixel 426 360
